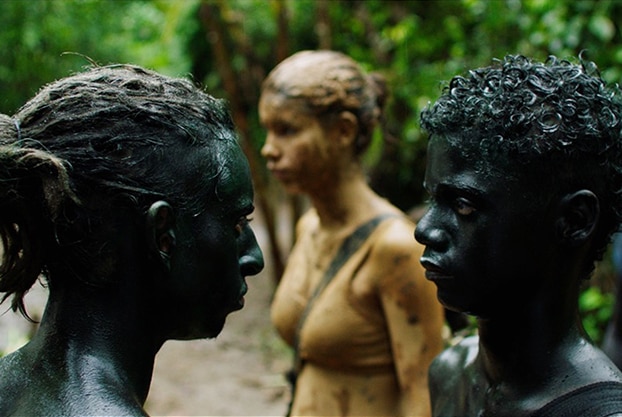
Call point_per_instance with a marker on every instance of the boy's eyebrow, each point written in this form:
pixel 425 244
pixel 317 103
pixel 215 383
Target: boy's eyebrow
pixel 459 188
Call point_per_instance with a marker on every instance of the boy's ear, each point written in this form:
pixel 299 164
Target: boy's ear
pixel 578 217
pixel 161 231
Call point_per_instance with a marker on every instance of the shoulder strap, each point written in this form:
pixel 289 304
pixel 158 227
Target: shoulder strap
pixel 595 400
pixel 348 247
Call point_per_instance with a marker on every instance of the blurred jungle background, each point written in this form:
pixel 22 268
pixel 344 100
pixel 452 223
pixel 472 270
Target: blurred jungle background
pixel 228 46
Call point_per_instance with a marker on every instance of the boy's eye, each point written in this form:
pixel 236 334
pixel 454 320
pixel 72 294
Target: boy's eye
pixel 464 207
pixel 242 223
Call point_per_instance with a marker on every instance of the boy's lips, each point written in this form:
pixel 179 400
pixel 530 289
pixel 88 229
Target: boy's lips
pixel 433 271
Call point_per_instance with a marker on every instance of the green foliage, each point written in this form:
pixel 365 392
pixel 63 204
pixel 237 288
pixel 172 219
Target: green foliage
pixel 419 46
pixel 595 308
pixel 37 34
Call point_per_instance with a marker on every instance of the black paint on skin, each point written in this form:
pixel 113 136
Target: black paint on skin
pixel 524 173
pixel 128 191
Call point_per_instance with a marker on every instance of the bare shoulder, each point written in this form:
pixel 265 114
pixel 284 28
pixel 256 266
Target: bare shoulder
pixel 30 389
pixel 396 234
pixel 12 382
pixel 455 381
pixel 394 260
pixel 591 365
pixel 307 222
pixel 454 359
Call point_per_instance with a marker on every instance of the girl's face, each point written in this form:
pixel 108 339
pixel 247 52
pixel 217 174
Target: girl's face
pixel 215 250
pixel 487 239
pixel 299 151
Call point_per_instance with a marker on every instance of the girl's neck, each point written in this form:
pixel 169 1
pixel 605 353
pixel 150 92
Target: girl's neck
pixel 98 333
pixel 344 204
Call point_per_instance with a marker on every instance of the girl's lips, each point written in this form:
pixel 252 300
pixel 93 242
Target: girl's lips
pixel 241 300
pixel 280 174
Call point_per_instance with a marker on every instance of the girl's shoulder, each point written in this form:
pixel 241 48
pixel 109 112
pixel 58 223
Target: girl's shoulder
pixel 15 383
pixel 395 234
pixel 307 222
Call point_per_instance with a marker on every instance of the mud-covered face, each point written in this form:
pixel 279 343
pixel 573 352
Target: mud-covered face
pixel 487 239
pixel 215 250
pixel 299 150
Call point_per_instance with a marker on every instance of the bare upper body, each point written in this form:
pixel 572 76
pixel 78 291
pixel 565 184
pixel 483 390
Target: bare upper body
pixel 520 210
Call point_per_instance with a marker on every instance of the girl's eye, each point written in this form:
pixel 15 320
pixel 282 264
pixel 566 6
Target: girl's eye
pixel 242 223
pixel 285 130
pixel 464 207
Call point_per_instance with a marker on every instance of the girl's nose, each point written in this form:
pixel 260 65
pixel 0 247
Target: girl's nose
pixel 269 150
pixel 251 261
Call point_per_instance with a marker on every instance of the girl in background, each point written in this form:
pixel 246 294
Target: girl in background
pixel 361 316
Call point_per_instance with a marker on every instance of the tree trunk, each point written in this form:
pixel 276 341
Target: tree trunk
pixel 210 15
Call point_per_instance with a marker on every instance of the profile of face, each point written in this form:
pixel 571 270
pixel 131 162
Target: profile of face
pixel 214 251
pixel 487 241
pixel 299 150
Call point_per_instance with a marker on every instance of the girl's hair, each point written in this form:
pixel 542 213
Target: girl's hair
pixel 112 137
pixel 328 82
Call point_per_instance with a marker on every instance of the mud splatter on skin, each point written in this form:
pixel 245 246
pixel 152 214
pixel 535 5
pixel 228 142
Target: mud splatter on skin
pixel 343 399
pixel 405 289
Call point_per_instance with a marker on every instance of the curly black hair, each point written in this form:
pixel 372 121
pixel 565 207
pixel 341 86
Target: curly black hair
pixel 555 119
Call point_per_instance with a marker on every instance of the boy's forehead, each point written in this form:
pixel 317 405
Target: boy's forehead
pixel 468 152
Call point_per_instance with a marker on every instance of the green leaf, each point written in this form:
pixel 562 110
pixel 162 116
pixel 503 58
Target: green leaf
pixel 602 27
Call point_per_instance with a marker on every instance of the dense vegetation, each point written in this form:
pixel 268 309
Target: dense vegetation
pixel 229 46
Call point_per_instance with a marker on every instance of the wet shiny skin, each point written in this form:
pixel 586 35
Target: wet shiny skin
pixel 478 231
pixel 217 250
